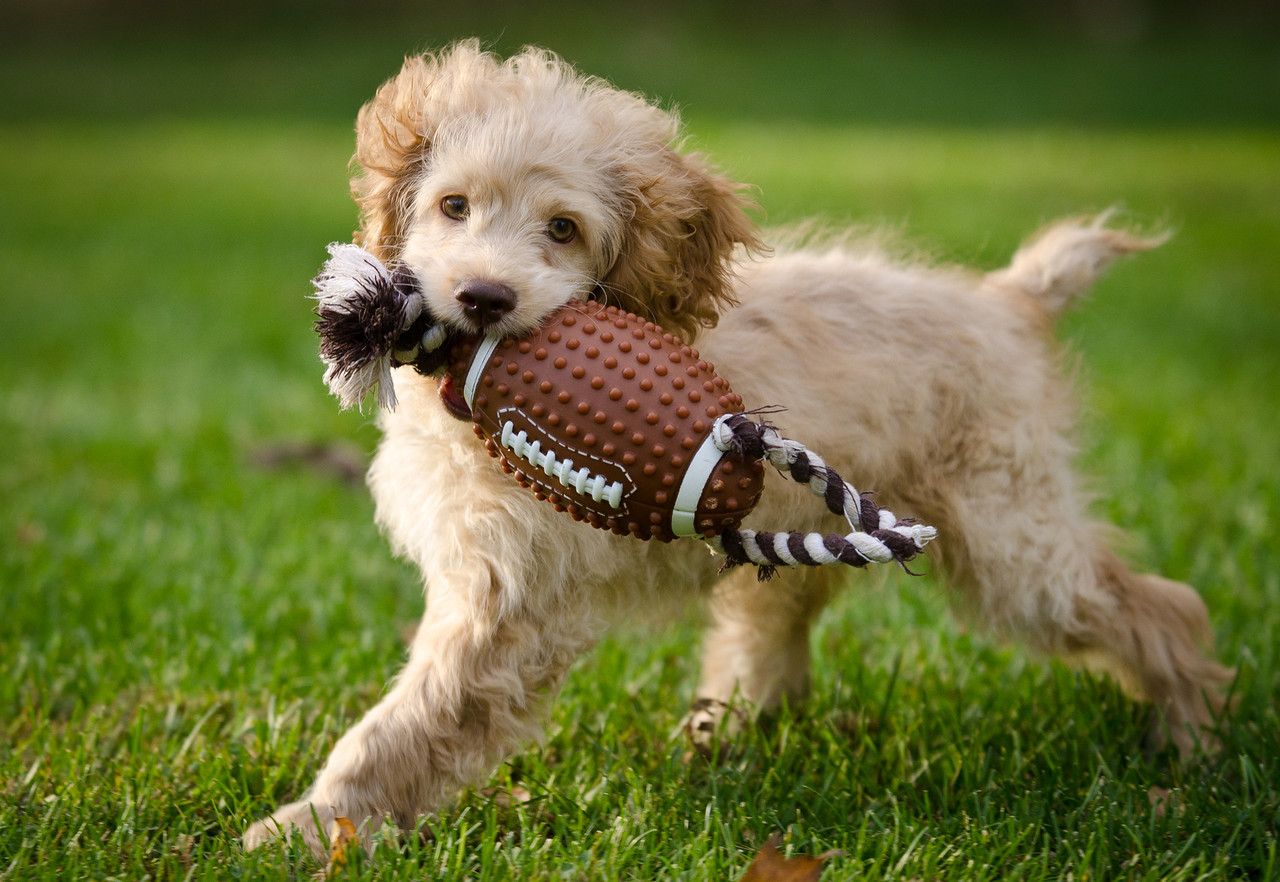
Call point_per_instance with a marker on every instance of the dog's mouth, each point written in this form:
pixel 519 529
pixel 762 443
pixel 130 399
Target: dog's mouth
pixel 450 394
pixel 453 400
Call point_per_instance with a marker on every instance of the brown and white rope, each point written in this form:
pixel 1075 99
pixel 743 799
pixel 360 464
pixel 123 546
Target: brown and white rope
pixel 878 536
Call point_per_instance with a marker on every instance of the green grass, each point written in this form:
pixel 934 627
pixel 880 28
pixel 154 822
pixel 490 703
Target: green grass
pixel 184 633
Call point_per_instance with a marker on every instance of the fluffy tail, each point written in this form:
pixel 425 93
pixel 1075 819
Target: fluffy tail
pixel 1063 261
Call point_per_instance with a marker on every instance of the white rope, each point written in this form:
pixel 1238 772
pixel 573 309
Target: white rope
pixel 737 433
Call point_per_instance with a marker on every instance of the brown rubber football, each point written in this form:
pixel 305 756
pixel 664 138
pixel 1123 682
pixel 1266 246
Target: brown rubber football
pixel 608 418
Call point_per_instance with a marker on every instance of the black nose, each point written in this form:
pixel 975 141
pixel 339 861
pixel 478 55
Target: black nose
pixel 485 303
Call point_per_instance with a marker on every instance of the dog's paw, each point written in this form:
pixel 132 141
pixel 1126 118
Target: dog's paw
pixel 310 821
pixel 711 727
pixel 1194 726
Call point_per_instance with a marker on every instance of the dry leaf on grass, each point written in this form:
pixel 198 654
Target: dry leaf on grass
pixel 344 846
pixel 770 866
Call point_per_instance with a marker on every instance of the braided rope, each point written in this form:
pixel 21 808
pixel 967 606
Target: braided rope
pixel 878 536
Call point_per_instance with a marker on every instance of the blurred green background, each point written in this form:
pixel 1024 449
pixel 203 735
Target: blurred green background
pixel 194 600
pixel 1125 63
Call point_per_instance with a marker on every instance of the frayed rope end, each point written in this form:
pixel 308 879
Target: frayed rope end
pixel 364 310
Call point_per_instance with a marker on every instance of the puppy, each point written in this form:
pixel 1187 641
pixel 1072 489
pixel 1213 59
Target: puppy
pixel 510 187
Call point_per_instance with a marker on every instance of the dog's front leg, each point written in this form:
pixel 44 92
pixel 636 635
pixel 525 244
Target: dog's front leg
pixel 483 666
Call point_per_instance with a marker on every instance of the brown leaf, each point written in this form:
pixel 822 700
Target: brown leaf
pixel 770 866
pixel 344 846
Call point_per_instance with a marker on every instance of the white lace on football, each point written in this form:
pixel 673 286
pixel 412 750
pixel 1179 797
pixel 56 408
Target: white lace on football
pixel 582 481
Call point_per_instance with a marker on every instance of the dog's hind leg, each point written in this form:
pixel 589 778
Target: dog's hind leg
pixel 1015 541
pixel 756 652
pixel 1155 647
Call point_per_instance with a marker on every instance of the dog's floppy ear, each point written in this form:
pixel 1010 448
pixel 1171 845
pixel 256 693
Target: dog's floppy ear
pixel 684 223
pixel 392 141
pixel 394 132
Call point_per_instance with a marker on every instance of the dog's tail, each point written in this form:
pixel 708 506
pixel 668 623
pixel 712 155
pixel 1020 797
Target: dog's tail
pixel 1061 262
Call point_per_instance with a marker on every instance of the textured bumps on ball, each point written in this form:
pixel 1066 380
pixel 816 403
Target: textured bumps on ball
pixel 625 405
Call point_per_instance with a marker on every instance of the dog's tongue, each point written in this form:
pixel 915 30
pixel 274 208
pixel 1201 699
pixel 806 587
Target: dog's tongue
pixel 453 400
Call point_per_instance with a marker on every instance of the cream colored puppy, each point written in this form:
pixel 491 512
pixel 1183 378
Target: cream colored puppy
pixel 511 187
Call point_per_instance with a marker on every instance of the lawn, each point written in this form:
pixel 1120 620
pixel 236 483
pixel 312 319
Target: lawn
pixel 193 609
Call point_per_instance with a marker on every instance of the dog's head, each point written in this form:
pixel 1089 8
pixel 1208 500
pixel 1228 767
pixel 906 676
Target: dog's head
pixel 509 187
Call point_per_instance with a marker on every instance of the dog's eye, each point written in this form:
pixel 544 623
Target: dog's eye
pixel 562 229
pixel 454 206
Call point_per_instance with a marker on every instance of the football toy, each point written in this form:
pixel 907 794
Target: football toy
pixel 603 415
pixel 609 419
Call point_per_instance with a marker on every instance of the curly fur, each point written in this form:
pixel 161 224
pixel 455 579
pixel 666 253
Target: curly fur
pixel 959 416
pixel 666 223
